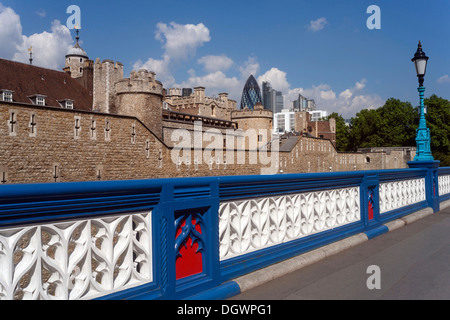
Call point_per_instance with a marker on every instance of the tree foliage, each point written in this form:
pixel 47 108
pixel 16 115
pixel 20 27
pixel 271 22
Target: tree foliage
pixel 438 120
pixel 395 125
pixel 342 131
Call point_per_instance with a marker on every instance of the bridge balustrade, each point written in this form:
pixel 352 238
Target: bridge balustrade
pixel 189 237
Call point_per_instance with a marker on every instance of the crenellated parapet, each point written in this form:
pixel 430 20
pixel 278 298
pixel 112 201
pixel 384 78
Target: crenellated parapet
pixel 140 96
pixel 142 81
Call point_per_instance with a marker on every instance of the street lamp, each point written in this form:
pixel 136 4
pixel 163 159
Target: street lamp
pixel 423 152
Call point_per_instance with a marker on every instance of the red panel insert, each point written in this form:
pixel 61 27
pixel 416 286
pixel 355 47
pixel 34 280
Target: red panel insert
pixel 370 207
pixel 189 261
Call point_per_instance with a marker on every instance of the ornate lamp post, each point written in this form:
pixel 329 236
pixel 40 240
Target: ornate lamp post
pixel 423 152
pixel 424 158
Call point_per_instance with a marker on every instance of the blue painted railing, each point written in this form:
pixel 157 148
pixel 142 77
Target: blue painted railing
pixel 190 237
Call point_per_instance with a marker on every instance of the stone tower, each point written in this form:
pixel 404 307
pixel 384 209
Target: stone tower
pixel 75 60
pixel 141 96
pixel 106 74
pixel 79 66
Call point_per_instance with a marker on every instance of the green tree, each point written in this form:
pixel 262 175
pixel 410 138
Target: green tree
pixel 398 123
pixel 438 120
pixel 364 130
pixel 392 125
pixel 342 132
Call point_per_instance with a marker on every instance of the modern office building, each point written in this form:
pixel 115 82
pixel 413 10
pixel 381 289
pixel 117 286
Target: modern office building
pixel 279 101
pixel 251 94
pixel 268 100
pixel 271 98
pixel 304 104
pixel 317 115
pixel 283 121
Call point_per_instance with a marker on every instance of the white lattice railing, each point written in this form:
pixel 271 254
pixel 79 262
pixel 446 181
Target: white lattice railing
pixel 250 225
pixel 397 194
pixel 444 184
pixel 80 259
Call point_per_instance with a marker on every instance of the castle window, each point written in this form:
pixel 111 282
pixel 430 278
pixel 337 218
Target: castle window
pixel 133 134
pixel 67 103
pixel 147 149
pixel 99 172
pixel 93 129
pixel 3 175
pixel 56 173
pixel 32 125
pixel 7 95
pixel 196 163
pixel 38 99
pixel 107 130
pixel 77 127
pixel 12 123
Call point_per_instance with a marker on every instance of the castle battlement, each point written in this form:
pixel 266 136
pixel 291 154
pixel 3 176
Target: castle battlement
pixel 248 113
pixel 142 81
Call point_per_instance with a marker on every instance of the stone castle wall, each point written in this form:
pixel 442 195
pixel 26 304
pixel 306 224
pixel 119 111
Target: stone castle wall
pixel 44 144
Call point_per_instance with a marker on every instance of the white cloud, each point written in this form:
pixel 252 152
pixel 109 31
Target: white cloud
pixel 159 66
pixel 346 94
pixel 41 13
pixel 215 63
pixel 347 103
pixel 328 95
pixel 10 32
pixel 361 84
pixel 277 79
pixel 214 80
pixel 49 48
pixel 444 79
pixel 181 41
pixel 316 25
pixel 250 67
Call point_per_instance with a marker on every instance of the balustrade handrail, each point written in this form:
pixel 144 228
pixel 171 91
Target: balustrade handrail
pixel 152 213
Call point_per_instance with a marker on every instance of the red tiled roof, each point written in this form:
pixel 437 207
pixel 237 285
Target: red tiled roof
pixel 27 80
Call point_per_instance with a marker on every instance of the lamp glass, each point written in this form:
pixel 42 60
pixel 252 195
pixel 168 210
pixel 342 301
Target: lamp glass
pixel 421 66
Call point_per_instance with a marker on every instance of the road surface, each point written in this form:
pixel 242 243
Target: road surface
pixel 412 262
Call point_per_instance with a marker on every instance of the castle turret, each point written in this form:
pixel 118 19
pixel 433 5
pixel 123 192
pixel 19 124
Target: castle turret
pixel 75 59
pixel 79 66
pixel 141 96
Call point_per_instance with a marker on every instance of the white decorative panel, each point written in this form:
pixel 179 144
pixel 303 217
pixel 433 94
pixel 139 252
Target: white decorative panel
pixel 249 225
pixel 397 194
pixel 76 259
pixel 444 185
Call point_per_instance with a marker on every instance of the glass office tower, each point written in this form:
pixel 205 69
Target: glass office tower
pixel 251 93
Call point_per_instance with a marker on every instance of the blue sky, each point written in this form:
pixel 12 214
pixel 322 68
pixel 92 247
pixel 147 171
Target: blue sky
pixel 321 49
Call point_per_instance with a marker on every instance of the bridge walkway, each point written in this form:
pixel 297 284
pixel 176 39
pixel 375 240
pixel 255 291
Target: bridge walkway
pixel 413 263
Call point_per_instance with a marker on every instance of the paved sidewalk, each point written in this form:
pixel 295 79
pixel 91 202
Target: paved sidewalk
pixel 414 263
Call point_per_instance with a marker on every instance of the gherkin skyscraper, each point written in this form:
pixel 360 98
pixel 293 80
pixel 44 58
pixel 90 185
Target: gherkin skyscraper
pixel 251 93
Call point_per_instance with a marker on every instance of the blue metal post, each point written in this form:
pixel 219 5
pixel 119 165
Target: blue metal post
pixel 423 141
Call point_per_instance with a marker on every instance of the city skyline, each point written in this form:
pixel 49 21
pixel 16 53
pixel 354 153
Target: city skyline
pixel 322 50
